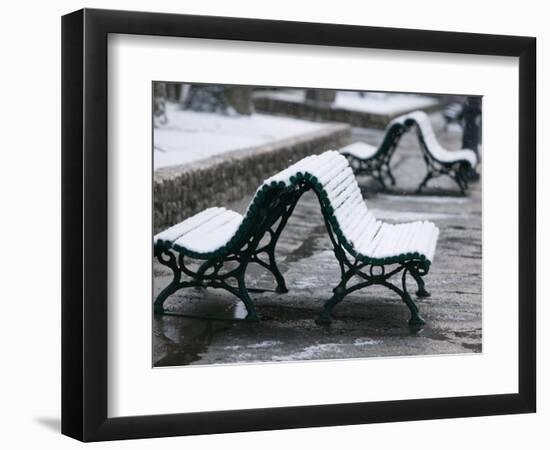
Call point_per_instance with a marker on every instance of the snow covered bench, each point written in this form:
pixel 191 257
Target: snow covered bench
pixel 366 159
pixel 368 251
pixel 440 161
pixel 225 242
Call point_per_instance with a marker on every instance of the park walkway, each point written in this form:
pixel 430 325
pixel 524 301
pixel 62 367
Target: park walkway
pixel 369 323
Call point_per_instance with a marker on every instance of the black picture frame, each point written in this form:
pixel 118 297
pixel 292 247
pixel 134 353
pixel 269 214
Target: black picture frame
pixel 84 224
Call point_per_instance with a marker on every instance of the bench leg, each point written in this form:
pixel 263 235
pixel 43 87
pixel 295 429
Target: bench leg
pixel 461 181
pixel 456 174
pixel 275 233
pixel 168 259
pixel 252 315
pixel 421 292
pixel 424 182
pixel 341 291
pixel 416 319
pixel 279 279
pixel 390 175
pixel 158 307
pixel 380 178
pixel 324 318
pixel 273 269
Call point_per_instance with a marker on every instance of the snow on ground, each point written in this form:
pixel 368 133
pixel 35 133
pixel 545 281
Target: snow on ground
pixel 371 102
pixel 382 103
pixel 288 95
pixel 191 136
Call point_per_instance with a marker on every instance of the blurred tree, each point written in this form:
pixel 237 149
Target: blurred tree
pixel 159 103
pixel 240 98
pixel 220 99
pixel 174 91
pixel 320 97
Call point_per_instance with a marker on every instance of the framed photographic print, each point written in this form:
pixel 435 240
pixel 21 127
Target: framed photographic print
pixel 273 224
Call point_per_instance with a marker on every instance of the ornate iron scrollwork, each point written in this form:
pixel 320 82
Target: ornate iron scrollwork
pixel 227 271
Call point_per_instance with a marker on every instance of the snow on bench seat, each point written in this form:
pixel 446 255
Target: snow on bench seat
pixel 363 151
pixel 401 239
pixel 374 161
pixel 368 238
pixel 360 150
pixel 205 232
pixel 433 146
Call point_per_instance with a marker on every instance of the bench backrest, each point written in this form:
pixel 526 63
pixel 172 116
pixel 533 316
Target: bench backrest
pixel 431 145
pixel 331 177
pixel 392 134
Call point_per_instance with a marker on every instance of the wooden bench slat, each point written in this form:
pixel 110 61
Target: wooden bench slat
pixel 366 236
pixel 331 169
pixel 347 172
pixel 356 224
pixel 335 191
pixel 168 236
pixel 212 235
pixel 347 215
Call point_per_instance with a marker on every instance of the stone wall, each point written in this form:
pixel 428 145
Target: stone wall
pixel 181 191
pixel 312 111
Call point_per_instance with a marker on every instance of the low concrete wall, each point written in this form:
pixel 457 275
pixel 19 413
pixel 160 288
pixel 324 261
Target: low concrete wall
pixel 181 191
pixel 314 112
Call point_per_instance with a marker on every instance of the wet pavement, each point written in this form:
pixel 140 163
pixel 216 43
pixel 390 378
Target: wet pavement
pixel 371 322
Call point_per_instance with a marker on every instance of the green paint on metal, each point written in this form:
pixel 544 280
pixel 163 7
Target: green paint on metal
pixel 378 165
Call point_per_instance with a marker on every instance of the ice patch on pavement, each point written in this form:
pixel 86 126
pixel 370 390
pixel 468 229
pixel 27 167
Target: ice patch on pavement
pixel 360 342
pixel 306 282
pixel 320 351
pixel 264 344
pixel 311 352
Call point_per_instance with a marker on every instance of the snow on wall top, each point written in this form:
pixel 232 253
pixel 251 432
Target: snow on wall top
pixel 191 136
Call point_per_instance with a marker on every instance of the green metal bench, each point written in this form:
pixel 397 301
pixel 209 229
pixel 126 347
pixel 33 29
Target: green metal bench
pixel 366 159
pixel 440 161
pixel 225 243
pixel 368 251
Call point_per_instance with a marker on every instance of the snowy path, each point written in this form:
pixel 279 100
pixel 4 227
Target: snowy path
pixel 369 323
